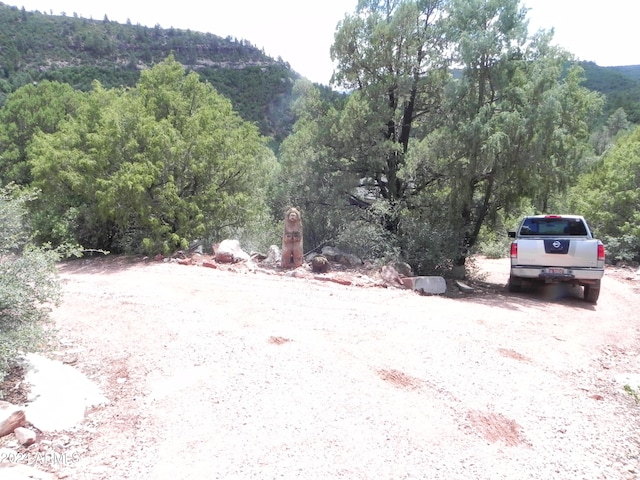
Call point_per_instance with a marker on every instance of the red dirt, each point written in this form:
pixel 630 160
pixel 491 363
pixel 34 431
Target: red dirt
pixel 365 382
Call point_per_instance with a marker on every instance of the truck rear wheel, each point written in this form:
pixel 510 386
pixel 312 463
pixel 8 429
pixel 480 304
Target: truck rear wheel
pixel 592 292
pixel 514 285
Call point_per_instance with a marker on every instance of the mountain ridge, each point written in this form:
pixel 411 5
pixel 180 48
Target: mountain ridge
pixel 35 46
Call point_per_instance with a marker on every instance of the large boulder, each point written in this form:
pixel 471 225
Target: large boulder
pixel 229 251
pixel 426 285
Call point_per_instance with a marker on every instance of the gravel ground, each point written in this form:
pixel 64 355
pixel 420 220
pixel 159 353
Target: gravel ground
pixel 219 374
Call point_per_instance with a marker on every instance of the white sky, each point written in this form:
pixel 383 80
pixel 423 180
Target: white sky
pixel 301 31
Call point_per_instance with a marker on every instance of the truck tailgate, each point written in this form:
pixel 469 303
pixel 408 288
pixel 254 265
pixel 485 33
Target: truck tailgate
pixel 559 252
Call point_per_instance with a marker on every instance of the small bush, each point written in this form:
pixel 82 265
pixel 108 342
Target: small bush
pixel 429 248
pixel 625 248
pixel 28 281
pixel 494 247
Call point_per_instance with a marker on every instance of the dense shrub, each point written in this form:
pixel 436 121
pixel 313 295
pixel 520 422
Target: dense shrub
pixel 624 248
pixel 28 282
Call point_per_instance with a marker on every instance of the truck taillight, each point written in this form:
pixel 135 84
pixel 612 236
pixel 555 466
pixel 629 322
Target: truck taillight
pixel 601 252
pixel 514 250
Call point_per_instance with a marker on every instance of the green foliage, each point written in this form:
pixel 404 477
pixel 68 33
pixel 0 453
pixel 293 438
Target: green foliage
pixel 150 169
pixel 366 238
pixel 623 248
pixel 493 245
pixel 255 235
pixel 520 126
pixel 634 392
pixel 419 161
pixel 608 80
pixel 427 244
pixel 29 110
pixel 605 136
pixel 259 94
pixel 493 241
pixel 307 178
pixel 609 196
pixel 430 158
pixel 28 282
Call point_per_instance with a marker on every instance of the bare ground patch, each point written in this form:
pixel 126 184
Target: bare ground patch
pixel 399 379
pixel 495 427
pixel 279 340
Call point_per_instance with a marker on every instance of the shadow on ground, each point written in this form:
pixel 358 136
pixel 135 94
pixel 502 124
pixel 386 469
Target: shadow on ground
pixel 101 264
pixel 497 294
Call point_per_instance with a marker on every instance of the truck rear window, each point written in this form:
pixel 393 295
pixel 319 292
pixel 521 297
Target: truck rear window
pixel 553 226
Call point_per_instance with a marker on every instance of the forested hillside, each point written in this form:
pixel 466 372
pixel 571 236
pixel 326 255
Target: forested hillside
pixel 35 47
pixel 621 85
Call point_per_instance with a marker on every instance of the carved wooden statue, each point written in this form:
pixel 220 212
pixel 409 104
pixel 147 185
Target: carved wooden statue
pixel 292 253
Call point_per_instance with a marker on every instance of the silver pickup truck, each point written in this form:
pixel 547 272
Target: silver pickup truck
pixel 556 248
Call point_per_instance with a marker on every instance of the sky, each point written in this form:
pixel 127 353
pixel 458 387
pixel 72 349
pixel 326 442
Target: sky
pixel 301 31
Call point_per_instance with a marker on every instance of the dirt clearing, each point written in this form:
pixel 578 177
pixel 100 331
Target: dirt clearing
pixel 220 374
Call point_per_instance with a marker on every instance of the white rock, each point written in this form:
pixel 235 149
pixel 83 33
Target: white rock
pixel 61 394
pixel 25 436
pixel 231 249
pixel 431 285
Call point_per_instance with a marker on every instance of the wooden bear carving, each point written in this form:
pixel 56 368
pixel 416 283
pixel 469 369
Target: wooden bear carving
pixel 292 254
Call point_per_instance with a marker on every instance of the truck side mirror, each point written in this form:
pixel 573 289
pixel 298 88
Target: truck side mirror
pixel 511 234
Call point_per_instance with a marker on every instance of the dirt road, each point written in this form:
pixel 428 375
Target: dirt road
pixel 218 375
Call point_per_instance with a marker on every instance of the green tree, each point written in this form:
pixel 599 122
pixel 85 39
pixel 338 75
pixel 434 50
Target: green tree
pixel 603 138
pixel 517 124
pixel 392 55
pixel 31 109
pixel 430 153
pixel 154 167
